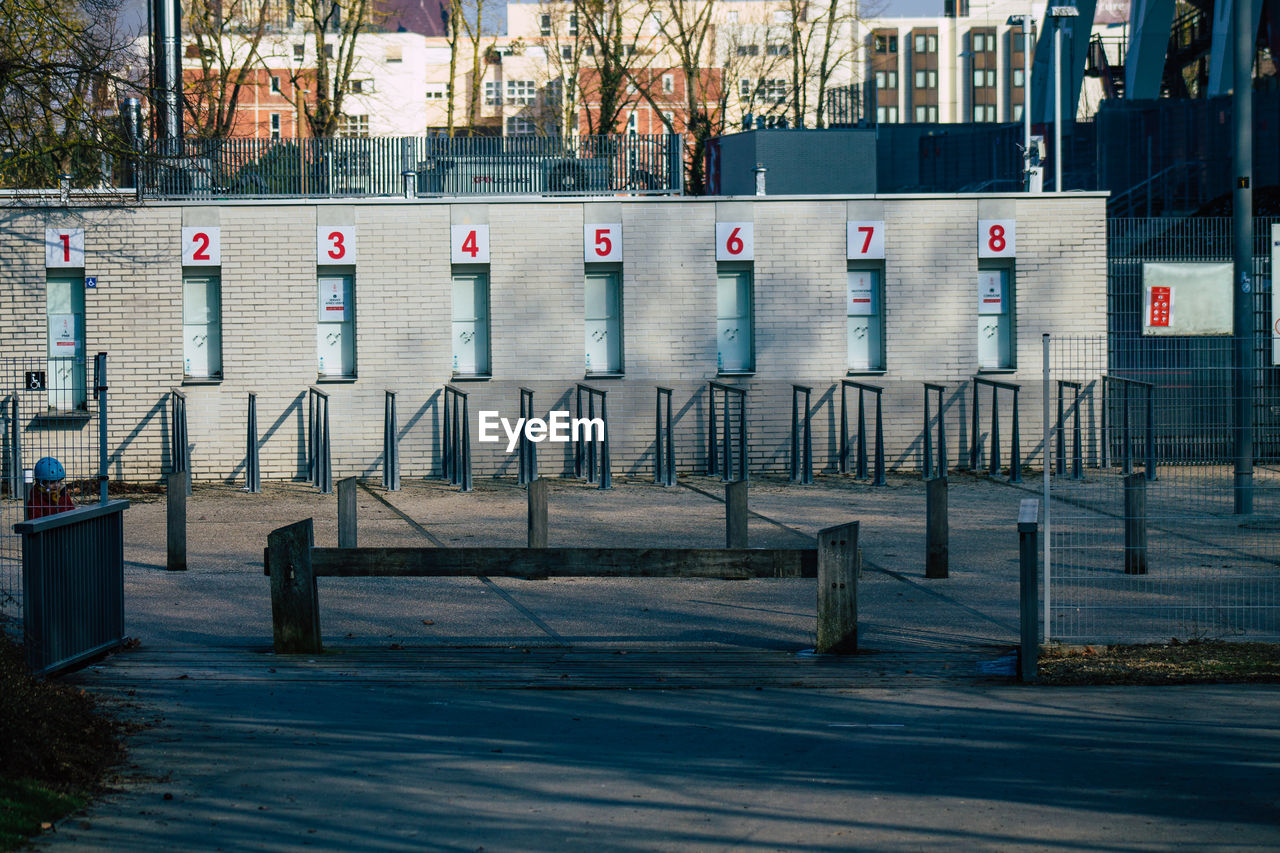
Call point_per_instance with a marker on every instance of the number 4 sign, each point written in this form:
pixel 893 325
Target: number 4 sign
pixel 201 247
pixel 469 244
pixel 64 247
pixel 735 241
pixel 602 242
pixel 997 238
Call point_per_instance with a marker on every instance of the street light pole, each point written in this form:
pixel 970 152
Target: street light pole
pixel 1242 255
pixel 1058 13
pixel 1027 159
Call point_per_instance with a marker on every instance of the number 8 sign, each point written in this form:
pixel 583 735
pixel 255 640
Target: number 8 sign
pixel 201 247
pixel 997 238
pixel 602 242
pixel 735 241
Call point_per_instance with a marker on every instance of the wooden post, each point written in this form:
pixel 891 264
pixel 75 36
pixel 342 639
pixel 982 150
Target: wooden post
pixel 937 531
pixel 735 514
pixel 1135 524
pixel 1028 586
pixel 538 513
pixel 176 486
pixel 347 535
pixel 838 589
pixel 295 607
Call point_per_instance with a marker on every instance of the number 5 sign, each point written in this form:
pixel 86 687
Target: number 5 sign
pixel 997 238
pixel 865 240
pixel 201 247
pixel 469 244
pixel 602 242
pixel 335 244
pixel 735 241
pixel 64 247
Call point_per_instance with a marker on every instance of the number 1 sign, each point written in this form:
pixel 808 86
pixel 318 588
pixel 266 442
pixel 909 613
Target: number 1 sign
pixel 201 247
pixel 735 241
pixel 64 247
pixel 469 244
pixel 997 238
pixel 602 242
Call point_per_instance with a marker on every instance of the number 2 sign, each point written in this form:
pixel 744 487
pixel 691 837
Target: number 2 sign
pixel 335 244
pixel 469 244
pixel 735 241
pixel 864 240
pixel 602 242
pixel 64 247
pixel 201 247
pixel 997 238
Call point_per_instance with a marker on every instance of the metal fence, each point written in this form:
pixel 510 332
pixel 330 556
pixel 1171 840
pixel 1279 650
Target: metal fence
pixel 436 165
pixel 1206 572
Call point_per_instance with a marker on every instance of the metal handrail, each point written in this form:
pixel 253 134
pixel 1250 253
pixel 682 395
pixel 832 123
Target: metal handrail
pixel 664 446
pixel 179 448
pixel 526 450
pixel 861 469
pixel 1015 452
pixel 592 457
pixel 725 451
pixel 390 444
pixel 252 471
pixel 1077 450
pixel 1126 435
pixel 319 465
pixel 928 468
pixel 801 447
pixel 456 447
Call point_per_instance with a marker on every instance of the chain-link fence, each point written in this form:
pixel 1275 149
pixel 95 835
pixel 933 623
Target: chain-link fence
pixel 1145 542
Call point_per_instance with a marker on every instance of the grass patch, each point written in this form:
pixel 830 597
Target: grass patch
pixel 1194 662
pixel 56 746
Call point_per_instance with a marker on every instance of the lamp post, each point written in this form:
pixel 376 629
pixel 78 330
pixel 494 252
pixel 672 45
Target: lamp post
pixel 1058 13
pixel 1025 21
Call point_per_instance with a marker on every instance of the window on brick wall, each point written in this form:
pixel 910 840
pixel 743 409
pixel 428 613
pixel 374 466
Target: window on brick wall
pixel 470 322
pixel 865 319
pixel 521 92
pixel 735 349
pixel 603 303
pixel 995 318
pixel 65 373
pixel 335 326
pixel 202 326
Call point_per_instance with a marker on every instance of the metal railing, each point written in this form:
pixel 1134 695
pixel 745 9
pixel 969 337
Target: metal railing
pixel 527 450
pixel 456 449
pixel 319 466
pixel 1015 453
pixel 720 456
pixel 179 448
pixel 1126 433
pixel 252 471
pixel 1077 447
pixel 860 469
pixel 591 455
pixel 932 452
pixel 801 437
pixel 390 444
pixel 664 445
pixel 17 483
pixel 399 166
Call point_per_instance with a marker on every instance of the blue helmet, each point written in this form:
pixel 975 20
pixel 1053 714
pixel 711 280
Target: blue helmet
pixel 49 468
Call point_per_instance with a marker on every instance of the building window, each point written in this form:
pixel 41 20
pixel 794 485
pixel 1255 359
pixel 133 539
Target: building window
pixel 920 79
pixel 778 48
pixel 920 114
pixel 202 326
pixel 573 23
pixel 995 319
pixel 931 44
pixel 734 349
pixel 866 320
pixel 603 298
pixel 979 43
pixel 745 86
pixel 328 51
pixel 395 53
pixel 1017 77
pixel 886 44
pixel 544 25
pixel 920 44
pixel 65 372
pixel 470 323
pixel 436 91
pixel 748 50
pixel 668 83
pixel 1017 112
pixel 275 85
pixel 931 114
pixel 887 115
pixel 1017 42
pixel 335 327
pixel 355 126
pixel 519 126
pixel 566 53
pixel 275 125
pixel 299 52
pixel 931 79
pixel 521 92
pixel 886 79
pixel 359 87
pixel 776 90
pixel 493 93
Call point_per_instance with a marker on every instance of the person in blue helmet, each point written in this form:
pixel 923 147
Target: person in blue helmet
pixel 49 495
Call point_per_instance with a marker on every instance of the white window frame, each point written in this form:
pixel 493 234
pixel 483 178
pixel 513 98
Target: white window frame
pixel 872 324
pixel 730 326
pixel 345 327
pixel 473 326
pixel 202 332
pixel 65 374
pixel 603 322
pixel 1004 322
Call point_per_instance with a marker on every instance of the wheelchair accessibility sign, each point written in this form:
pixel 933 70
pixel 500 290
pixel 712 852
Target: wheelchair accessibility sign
pixel 34 380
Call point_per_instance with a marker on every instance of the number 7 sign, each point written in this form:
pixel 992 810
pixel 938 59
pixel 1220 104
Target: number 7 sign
pixel 865 240
pixel 602 242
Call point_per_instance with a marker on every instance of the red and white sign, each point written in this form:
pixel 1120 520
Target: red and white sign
pixel 201 247
pixel 335 244
pixel 990 292
pixel 1159 306
pixel 602 242
pixel 864 240
pixel 861 293
pixel 64 337
pixel 469 244
pixel 997 238
pixel 735 241
pixel 333 303
pixel 64 248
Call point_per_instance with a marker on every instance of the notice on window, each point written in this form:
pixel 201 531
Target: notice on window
pixel 990 292
pixel 333 303
pixel 1159 306
pixel 63 340
pixel 1186 299
pixel 861 294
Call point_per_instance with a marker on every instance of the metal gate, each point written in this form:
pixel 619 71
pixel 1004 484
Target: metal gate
pixel 1143 541
pixel 48 407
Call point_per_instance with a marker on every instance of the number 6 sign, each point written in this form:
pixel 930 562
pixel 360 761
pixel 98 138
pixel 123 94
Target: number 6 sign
pixel 64 247
pixel 335 244
pixel 735 241
pixel 997 238
pixel 602 242
pixel 469 244
pixel 201 247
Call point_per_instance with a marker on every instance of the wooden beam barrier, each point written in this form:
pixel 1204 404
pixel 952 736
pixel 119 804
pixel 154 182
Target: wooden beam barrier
pixel 838 589
pixel 295 606
pixel 176 520
pixel 538 513
pixel 347 529
pixel 735 514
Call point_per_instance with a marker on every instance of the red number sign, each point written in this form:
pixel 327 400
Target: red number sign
pixel 864 240
pixel 735 241
pixel 469 244
pixel 602 242
pixel 996 238
pixel 335 244
pixel 201 246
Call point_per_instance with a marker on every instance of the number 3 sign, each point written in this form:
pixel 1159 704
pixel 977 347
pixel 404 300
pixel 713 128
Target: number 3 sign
pixel 602 242
pixel 201 247
pixel 735 241
pixel 469 244
pixel 335 244
pixel 997 238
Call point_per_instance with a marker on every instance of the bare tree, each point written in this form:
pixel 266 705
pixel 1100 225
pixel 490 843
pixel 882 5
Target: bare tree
pixel 688 35
pixel 820 42
pixel 620 39
pixel 226 35
pixel 335 27
pixel 467 32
